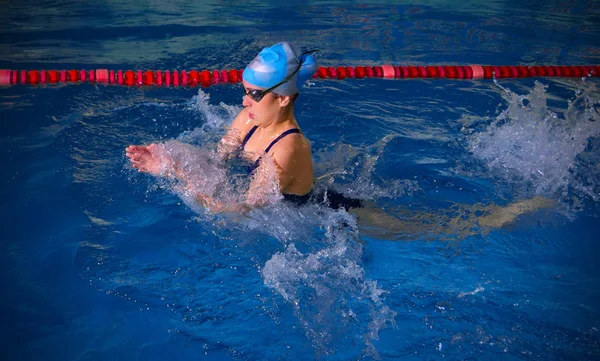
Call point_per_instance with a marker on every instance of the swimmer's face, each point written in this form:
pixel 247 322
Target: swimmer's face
pixel 267 108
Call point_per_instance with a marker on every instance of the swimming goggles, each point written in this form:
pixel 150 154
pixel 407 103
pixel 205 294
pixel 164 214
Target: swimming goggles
pixel 257 94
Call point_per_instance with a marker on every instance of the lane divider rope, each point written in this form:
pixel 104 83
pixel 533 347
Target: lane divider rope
pixel 207 78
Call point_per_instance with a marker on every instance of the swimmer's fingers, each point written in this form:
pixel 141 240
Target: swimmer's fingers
pixel 138 160
pixel 135 157
pixel 145 158
pixel 136 163
pixel 135 148
pixel 132 149
pixel 139 152
pixel 141 167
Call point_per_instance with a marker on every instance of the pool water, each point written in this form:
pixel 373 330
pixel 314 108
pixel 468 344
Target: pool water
pixel 101 262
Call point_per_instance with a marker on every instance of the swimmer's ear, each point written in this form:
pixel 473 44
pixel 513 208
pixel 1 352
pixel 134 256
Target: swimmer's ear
pixel 284 100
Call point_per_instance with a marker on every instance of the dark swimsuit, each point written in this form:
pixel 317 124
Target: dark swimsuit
pixel 327 197
pixel 281 136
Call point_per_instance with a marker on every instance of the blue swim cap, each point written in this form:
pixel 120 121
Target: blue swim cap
pixel 272 65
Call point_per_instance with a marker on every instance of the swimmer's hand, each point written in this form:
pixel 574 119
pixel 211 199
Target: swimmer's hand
pixel 146 158
pixel 229 144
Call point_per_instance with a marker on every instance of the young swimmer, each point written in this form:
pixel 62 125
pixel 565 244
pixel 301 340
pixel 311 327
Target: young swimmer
pixel 267 126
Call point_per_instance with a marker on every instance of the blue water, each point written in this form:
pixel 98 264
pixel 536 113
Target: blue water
pixel 99 262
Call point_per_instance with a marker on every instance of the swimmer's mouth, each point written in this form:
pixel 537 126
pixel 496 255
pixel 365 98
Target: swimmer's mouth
pixel 250 115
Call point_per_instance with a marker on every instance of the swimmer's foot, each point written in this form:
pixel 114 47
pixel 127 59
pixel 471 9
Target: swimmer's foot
pixel 501 216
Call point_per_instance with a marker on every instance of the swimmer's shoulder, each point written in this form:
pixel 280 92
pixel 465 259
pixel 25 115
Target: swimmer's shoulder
pixel 293 152
pixel 294 143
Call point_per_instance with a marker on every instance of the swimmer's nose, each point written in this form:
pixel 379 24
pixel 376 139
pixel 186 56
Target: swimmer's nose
pixel 246 102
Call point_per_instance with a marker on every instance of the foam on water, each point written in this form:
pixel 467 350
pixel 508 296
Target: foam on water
pixel 539 151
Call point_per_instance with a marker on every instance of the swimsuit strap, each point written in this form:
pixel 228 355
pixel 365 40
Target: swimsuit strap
pixel 289 131
pixel 257 162
pixel 247 137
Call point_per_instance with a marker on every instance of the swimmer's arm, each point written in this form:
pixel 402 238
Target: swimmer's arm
pixel 233 138
pixel 294 167
pixel 153 159
pixel 256 196
pixel 216 206
pixel 263 190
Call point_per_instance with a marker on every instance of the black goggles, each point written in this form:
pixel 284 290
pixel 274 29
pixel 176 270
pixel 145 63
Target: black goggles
pixel 257 94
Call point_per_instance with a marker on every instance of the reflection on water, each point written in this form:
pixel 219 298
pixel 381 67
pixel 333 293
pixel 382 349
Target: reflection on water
pixel 183 34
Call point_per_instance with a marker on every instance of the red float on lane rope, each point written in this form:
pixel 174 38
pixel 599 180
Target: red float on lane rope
pixel 477 71
pixel 175 78
pixel 4 77
pixel 388 71
pixel 33 77
pixel 350 71
pixel 167 78
pixel 215 77
pixel 205 78
pixel 72 76
pixel 360 72
pixel 377 72
pixel 52 76
pixel 148 78
pixel 233 76
pixel 193 78
pixel 102 75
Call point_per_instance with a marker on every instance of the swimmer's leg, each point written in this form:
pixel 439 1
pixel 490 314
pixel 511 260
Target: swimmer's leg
pixel 458 222
pixel 377 223
pixel 401 224
pixel 500 216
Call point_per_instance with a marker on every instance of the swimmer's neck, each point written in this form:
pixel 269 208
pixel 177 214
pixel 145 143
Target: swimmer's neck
pixel 283 123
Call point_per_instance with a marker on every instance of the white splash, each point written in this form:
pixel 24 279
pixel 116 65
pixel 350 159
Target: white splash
pixel 328 290
pixel 529 145
pixel 471 293
pixel 352 169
